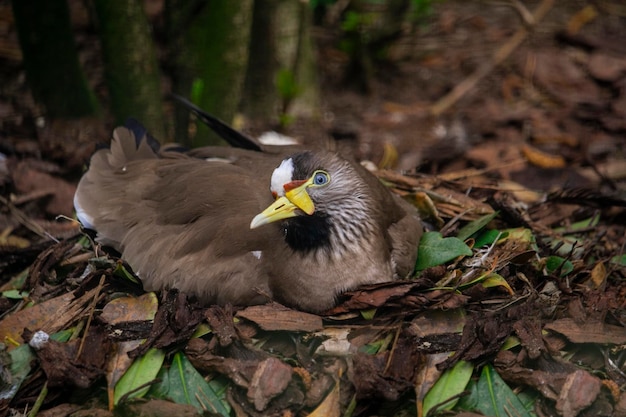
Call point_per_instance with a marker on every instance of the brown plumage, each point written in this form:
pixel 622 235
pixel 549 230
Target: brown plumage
pixel 205 227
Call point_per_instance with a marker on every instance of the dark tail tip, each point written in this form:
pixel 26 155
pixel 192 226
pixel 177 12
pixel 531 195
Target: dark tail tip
pixel 232 136
pixel 140 132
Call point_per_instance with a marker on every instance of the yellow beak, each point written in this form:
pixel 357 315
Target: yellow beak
pixel 287 206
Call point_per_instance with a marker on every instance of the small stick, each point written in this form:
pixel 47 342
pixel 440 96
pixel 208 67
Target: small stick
pixel 498 57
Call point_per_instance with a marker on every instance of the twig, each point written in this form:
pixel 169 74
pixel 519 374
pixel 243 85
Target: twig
pixel 92 308
pixel 24 220
pixel 393 349
pixel 498 57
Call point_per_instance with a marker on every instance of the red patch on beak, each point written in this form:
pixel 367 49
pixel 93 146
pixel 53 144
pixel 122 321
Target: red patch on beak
pixel 293 184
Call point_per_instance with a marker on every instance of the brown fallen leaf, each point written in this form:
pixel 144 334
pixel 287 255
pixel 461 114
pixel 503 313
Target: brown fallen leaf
pixel 7 239
pixel 589 332
pixel 372 296
pixel 428 375
pixel 606 67
pixel 156 408
pixel 598 276
pixel 123 310
pixel 27 179
pixel 274 317
pixel 330 407
pixel 62 410
pixel 542 159
pixel 129 309
pixel 50 316
pixel 581 18
pixel 118 364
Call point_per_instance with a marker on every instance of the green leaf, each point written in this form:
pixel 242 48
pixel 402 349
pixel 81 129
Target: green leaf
pixel 140 373
pixel 286 83
pixel 553 263
pixel 520 233
pixel 473 227
pixel 487 237
pixel 450 384
pixel 491 396
pixel 197 87
pixel 568 244
pixel 619 260
pixel 202 330
pixel 497 280
pixel 351 21
pixel 183 384
pixel 63 335
pixel 18 281
pixel 15 294
pixel 581 225
pixel 368 314
pixel 377 346
pixel 435 250
pixel 510 343
pixel 17 361
pixel 122 272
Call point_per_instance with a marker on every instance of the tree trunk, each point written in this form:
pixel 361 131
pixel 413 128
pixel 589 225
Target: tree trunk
pixel 281 81
pixel 307 102
pixel 261 102
pixel 50 58
pixel 211 55
pixel 131 67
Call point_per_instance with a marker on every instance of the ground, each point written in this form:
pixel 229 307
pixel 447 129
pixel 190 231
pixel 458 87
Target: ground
pixel 504 127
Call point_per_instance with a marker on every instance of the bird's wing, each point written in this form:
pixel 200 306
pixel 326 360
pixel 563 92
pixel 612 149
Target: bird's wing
pixel 180 222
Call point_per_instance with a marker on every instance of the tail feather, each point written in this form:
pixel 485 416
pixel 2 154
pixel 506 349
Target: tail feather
pixel 126 146
pixel 141 133
pixel 234 138
pixel 129 143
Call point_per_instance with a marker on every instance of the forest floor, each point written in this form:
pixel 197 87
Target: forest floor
pixel 525 163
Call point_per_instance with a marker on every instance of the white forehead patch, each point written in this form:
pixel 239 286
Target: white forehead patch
pixel 281 176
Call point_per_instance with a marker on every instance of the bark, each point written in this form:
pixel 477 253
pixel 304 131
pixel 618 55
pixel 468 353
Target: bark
pixel 210 55
pixel 282 78
pixel 131 68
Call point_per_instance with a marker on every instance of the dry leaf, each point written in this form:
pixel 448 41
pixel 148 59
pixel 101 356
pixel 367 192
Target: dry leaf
pixel 129 309
pixel 277 317
pixel 50 316
pixel 330 406
pixel 590 332
pixel 542 159
pixel 581 18
pixel 598 275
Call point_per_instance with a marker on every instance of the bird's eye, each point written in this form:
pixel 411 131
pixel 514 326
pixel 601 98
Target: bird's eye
pixel 320 178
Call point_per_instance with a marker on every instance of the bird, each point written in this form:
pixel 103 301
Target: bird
pixel 296 226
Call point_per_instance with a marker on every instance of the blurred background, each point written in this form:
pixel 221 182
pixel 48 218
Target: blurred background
pixel 415 85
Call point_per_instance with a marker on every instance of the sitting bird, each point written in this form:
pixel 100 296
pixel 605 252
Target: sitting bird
pixel 212 229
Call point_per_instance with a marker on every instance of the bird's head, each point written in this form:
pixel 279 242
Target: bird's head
pixel 315 194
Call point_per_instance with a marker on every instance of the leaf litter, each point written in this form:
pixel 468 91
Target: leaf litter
pixel 518 306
